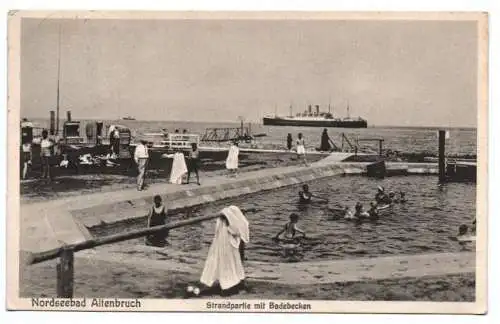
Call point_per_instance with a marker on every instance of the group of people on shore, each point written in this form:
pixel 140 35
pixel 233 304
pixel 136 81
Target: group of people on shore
pixel 47 151
pixel 180 169
pixel 326 143
pixel 300 146
pixel 183 165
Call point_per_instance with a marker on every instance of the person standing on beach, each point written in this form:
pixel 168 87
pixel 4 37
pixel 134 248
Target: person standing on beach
pixel 46 147
pixel 289 141
pixel 141 156
pixel 224 260
pixel 232 159
pixel 26 138
pixel 301 150
pixel 194 162
pixel 326 142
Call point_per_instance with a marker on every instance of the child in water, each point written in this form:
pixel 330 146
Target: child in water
pixel 373 212
pixel 157 216
pixel 290 229
pixel 305 195
pixel 358 213
pixel 392 197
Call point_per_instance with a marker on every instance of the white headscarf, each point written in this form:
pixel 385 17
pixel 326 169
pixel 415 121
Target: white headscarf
pixel 238 225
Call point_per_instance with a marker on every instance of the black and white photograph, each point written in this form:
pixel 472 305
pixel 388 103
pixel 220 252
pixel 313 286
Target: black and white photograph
pixel 248 162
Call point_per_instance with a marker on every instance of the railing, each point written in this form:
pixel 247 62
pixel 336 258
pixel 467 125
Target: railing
pixel 379 140
pixel 225 134
pixel 65 266
pixel 346 140
pixel 181 141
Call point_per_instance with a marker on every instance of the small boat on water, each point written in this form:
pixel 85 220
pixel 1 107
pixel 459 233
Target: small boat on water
pixel 128 118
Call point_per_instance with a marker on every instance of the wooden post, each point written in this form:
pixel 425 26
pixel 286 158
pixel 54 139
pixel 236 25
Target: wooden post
pixel 65 274
pixel 52 122
pixel 68 115
pixel 442 168
pixel 380 147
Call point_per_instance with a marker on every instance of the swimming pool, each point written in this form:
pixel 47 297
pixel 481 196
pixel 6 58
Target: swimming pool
pixel 422 225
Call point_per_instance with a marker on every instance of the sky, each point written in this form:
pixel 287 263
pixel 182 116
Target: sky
pixel 398 73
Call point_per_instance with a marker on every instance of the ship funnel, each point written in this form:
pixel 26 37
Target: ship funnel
pixel 317 109
pixel 310 109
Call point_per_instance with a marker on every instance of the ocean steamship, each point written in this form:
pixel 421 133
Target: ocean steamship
pixel 315 119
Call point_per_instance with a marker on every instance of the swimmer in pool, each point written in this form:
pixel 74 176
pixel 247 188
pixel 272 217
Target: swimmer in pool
pixel 305 195
pixel 381 197
pixel 392 196
pixel 402 198
pixel 462 230
pixel 358 213
pixel 290 230
pixel 373 212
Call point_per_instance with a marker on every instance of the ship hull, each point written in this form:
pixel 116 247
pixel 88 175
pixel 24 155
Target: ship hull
pixel 315 123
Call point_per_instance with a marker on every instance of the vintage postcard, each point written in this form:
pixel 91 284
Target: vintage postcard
pixel 310 162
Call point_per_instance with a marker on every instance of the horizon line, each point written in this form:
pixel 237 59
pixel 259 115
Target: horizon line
pixel 255 122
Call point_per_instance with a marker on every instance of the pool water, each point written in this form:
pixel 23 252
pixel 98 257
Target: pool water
pixel 423 224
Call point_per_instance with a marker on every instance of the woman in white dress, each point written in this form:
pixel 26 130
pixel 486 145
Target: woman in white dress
pixel 232 159
pixel 179 167
pixel 301 149
pixel 224 264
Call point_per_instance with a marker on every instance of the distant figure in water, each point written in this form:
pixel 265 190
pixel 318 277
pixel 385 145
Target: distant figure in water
pixel 157 217
pixel 359 213
pixel 305 195
pixel 381 197
pixel 290 230
pixel 177 131
pixel 462 230
pixel 401 199
pixel 325 142
pixel 373 212
pixel 289 141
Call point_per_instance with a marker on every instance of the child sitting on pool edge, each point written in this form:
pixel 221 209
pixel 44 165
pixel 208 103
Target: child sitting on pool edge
pixel 290 229
pixel 157 216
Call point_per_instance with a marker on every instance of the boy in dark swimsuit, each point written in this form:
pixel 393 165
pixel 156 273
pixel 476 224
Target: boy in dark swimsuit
pixel 157 217
pixel 305 195
pixel 194 162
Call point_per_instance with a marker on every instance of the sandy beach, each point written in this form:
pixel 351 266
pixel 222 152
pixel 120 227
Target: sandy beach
pixel 130 281
pixel 36 190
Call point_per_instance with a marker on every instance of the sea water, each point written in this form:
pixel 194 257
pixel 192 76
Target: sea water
pixel 462 141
